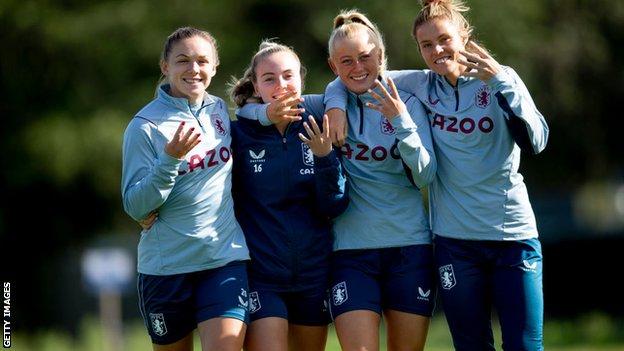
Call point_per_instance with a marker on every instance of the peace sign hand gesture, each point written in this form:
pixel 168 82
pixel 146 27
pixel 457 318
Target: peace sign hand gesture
pixel 390 105
pixel 480 65
pixel 285 108
pixel 319 142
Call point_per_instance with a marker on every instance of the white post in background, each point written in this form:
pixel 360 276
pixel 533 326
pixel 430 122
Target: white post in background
pixel 108 272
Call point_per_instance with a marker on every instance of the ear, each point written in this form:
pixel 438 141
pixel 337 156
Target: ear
pixel 332 66
pixel 164 68
pixel 213 71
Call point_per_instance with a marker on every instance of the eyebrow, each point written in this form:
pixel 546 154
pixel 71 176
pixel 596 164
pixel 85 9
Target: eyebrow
pixel 184 56
pixel 273 73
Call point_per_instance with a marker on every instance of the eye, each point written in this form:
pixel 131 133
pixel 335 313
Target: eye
pixel 364 58
pixel 346 62
pixel 182 61
pixel 288 76
pixel 268 79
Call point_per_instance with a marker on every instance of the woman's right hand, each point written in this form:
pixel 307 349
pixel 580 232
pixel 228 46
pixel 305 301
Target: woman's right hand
pixel 285 108
pixel 318 141
pixel 148 221
pixel 181 144
pixel 337 126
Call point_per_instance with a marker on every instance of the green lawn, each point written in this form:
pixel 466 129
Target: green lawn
pixel 593 332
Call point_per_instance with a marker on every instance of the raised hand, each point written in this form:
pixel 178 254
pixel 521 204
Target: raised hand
pixel 181 143
pixel 337 126
pixel 285 108
pixel 480 64
pixel 148 221
pixel 390 104
pixel 319 142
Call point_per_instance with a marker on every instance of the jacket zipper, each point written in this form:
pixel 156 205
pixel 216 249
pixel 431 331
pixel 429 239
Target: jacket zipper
pixel 361 106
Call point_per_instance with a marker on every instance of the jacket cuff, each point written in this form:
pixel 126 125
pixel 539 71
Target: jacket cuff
pixel 330 160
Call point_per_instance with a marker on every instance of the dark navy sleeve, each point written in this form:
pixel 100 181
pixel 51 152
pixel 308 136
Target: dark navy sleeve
pixel 331 186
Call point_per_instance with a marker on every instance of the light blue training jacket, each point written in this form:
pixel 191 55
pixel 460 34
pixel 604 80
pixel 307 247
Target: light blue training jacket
pixel 196 228
pixel 386 163
pixel 478 131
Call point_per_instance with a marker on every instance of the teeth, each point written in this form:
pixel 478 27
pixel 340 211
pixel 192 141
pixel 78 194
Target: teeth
pixel 442 59
pixel 192 80
pixel 360 77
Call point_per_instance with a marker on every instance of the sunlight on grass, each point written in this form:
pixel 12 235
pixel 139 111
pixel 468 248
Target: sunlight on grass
pixel 592 332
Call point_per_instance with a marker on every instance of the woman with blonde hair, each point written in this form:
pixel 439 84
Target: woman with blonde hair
pixel 486 242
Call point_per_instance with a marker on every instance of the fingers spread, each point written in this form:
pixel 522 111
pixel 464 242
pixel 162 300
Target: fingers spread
pixel 315 126
pixel 304 139
pixel 393 89
pixel 326 126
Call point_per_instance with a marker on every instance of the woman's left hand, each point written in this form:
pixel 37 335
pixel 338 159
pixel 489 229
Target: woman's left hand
pixel 480 64
pixel 148 221
pixel 319 141
pixel 390 105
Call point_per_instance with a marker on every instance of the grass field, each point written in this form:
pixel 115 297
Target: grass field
pixel 594 332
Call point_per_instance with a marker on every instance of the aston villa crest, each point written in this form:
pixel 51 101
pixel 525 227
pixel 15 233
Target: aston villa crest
pixel 482 97
pixel 308 156
pixel 339 293
pixel 158 324
pixel 447 277
pixel 254 302
pixel 218 124
pixel 386 127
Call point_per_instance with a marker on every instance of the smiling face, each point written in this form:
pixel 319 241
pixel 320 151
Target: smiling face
pixel 276 74
pixel 356 59
pixel 189 68
pixel 440 42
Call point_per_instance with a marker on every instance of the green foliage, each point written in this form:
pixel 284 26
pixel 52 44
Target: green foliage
pixel 74 72
pixel 594 332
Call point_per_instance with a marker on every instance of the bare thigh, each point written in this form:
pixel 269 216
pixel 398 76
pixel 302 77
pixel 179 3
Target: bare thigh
pixel 184 344
pixel 269 333
pixel 358 330
pixel 307 338
pixel 222 334
pixel 405 331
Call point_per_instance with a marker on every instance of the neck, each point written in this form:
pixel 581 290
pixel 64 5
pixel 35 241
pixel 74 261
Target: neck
pixel 454 76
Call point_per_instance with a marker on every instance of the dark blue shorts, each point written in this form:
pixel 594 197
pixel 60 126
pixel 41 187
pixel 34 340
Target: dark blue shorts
pixel 398 278
pixel 307 307
pixel 477 276
pixel 173 305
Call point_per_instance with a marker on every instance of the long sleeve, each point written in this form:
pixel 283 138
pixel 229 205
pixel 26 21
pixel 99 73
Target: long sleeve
pixel 312 103
pixel 526 124
pixel 147 176
pixel 335 95
pixel 255 111
pixel 415 144
pixel 331 190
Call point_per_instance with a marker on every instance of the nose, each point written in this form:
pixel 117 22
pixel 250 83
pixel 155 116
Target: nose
pixel 194 66
pixel 438 49
pixel 283 84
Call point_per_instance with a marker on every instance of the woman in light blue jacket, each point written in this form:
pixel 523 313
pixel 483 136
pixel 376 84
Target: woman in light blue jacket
pixel 481 117
pixel 177 162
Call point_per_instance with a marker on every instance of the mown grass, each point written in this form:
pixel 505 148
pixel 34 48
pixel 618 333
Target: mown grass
pixel 592 332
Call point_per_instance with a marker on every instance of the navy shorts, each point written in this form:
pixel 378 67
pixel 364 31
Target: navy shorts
pixel 397 278
pixel 478 275
pixel 173 305
pixel 308 307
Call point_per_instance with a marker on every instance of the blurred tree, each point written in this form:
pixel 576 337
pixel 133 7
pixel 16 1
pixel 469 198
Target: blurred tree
pixel 73 73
